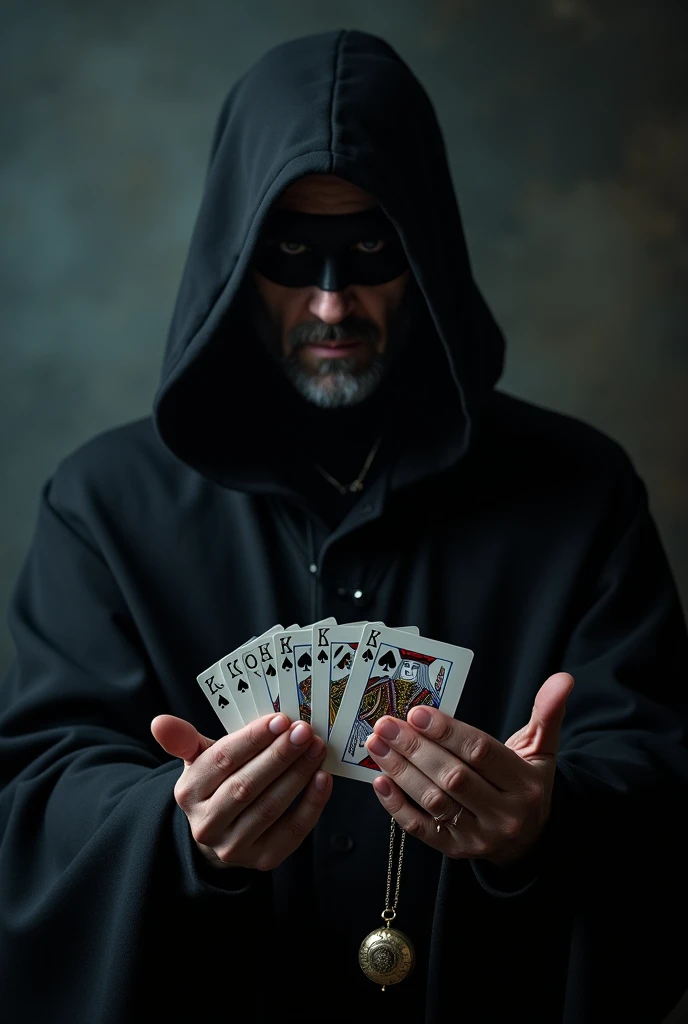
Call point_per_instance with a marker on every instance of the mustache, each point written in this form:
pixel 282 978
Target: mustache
pixel 312 333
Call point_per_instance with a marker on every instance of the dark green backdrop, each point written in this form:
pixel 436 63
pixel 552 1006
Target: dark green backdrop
pixel 567 128
pixel 566 123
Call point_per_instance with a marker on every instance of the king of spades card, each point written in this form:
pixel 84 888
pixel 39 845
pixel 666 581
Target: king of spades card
pixel 405 683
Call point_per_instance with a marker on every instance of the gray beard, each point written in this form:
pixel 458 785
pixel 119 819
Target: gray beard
pixel 335 385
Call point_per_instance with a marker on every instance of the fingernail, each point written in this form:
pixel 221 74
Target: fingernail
pixel 388 729
pixel 420 718
pixel 315 750
pixel 278 724
pixel 382 786
pixel 300 734
pixel 320 780
pixel 377 747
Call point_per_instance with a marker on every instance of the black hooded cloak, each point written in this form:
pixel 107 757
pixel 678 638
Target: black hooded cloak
pixel 517 532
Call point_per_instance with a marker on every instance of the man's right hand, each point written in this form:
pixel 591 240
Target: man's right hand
pixel 236 791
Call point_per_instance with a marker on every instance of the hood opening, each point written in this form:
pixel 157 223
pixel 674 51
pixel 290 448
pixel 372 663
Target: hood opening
pixel 341 103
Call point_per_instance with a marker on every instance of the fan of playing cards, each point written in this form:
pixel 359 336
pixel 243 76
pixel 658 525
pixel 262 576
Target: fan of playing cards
pixel 339 677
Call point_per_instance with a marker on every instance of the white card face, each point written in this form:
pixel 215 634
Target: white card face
pixel 213 684
pixel 390 675
pixel 334 649
pixel 330 677
pixel 235 676
pixel 294 655
pixel 258 658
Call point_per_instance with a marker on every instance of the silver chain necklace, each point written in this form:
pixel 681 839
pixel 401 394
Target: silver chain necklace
pixel 356 486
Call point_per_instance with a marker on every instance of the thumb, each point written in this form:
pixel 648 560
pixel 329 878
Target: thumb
pixel 179 738
pixel 540 737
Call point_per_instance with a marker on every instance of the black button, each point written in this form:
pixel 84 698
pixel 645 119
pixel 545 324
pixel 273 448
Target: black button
pixel 341 843
pixel 341 591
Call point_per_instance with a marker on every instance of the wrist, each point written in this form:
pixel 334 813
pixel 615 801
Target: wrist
pixel 509 874
pixel 210 857
pixel 214 872
pixel 520 852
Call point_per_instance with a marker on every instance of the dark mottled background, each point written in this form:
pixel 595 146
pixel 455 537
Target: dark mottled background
pixel 567 128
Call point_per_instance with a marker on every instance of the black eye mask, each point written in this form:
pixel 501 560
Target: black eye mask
pixel 329 250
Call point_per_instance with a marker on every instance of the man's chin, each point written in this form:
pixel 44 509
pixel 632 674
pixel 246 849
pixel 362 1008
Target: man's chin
pixel 335 387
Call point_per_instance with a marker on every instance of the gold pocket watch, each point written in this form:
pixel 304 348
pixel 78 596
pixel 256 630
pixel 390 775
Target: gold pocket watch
pixel 386 955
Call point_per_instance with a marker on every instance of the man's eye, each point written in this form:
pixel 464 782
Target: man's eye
pixel 292 248
pixel 371 246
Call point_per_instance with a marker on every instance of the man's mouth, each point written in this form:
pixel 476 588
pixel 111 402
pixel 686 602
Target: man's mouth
pixel 335 349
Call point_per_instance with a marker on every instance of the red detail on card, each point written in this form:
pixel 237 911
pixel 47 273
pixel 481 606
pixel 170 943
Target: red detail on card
pixel 414 656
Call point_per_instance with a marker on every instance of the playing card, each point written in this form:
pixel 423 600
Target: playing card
pixel 334 649
pixel 213 684
pixel 390 675
pixel 236 677
pixel 258 659
pixel 293 651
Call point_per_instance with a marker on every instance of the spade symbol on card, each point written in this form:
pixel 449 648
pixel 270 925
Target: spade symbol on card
pixel 270 670
pixel 222 702
pixel 304 661
pixel 243 685
pixel 287 664
pixel 322 657
pixel 368 656
pixel 388 661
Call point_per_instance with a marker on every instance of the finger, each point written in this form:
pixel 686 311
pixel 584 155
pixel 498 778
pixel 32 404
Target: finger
pixel 482 752
pixel 540 737
pixel 453 781
pixel 242 787
pixel 460 842
pixel 429 773
pixel 287 834
pixel 179 738
pixel 227 755
pixel 276 798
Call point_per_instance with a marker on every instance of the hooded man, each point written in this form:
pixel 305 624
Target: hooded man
pixel 327 440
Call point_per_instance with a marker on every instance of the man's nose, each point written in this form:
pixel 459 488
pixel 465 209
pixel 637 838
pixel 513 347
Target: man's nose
pixel 330 307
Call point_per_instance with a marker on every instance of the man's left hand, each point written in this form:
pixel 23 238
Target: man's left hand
pixel 502 791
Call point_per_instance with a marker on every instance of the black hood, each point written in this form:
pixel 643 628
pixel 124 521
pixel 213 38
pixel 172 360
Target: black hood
pixel 341 103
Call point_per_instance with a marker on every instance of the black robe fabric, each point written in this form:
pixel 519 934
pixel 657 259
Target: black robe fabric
pixel 520 533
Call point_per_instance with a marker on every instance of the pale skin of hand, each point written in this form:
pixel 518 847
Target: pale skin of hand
pixel 505 789
pixel 236 792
